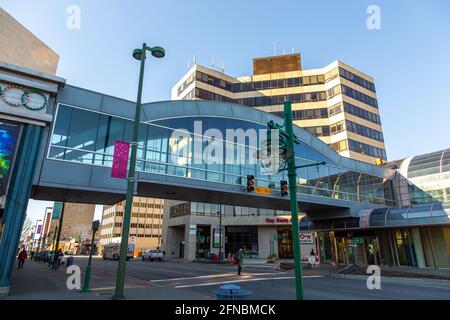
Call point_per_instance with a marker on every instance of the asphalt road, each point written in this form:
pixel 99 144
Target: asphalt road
pixel 172 280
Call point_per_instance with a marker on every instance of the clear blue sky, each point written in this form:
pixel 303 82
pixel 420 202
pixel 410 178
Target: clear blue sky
pixel 409 57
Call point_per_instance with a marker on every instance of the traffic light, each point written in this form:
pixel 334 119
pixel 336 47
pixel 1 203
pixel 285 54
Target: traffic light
pixel 250 183
pixel 284 188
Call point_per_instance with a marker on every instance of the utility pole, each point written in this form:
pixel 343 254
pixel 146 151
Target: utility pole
pixel 287 151
pixel 61 217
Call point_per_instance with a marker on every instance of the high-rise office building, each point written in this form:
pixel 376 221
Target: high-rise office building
pixel 336 103
pixel 145 225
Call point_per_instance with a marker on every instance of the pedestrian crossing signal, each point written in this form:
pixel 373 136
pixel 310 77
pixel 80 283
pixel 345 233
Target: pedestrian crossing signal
pixel 284 188
pixel 250 183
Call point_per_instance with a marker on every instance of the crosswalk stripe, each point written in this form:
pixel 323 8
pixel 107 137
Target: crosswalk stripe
pixel 239 280
pixel 206 277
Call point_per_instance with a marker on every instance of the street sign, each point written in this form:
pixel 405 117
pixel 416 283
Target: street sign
pixel 357 240
pixel 263 190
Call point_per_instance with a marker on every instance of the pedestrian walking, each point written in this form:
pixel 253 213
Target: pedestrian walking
pixel 59 255
pixel 22 257
pixel 312 258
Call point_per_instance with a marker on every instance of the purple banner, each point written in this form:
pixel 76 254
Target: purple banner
pixel 120 160
pixel 39 229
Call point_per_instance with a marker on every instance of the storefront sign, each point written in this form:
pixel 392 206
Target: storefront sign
pixel 306 238
pixel 193 229
pixel 263 190
pixel 18 96
pixel 279 220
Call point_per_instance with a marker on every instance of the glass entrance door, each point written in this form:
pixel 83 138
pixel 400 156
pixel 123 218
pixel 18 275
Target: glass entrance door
pixel 203 242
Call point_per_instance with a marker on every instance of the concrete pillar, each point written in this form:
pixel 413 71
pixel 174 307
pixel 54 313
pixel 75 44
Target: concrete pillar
pixel 17 202
pixel 190 244
pixel 418 248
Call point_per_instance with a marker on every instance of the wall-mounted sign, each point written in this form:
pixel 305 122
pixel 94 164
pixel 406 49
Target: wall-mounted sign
pixel 216 237
pixel 193 229
pixel 306 237
pixel 18 96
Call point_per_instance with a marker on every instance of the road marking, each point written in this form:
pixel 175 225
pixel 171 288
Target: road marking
pixel 239 280
pixel 208 276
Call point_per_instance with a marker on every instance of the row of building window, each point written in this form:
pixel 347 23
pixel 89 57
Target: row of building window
pixel 354 110
pixel 118 235
pixel 274 84
pixel 186 83
pixel 146 226
pixel 356 79
pixel 364 131
pixel 147 205
pixel 366 149
pixel 145 235
pixel 359 147
pixel 352 93
pixel 264 100
pixel 253 86
pixel 319 131
pixel 306 114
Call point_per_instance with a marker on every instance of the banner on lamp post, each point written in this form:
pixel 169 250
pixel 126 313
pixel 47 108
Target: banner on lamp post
pixel 120 159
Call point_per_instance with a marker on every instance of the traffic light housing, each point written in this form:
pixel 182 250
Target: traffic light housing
pixel 284 187
pixel 250 183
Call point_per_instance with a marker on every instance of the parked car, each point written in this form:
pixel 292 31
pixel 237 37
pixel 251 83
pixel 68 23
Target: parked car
pixel 151 255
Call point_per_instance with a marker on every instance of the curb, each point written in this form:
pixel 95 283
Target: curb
pixel 391 279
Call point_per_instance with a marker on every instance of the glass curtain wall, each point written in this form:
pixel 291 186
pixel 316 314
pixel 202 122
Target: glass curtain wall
pixel 168 147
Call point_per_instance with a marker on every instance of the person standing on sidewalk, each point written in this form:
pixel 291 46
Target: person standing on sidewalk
pixel 240 260
pixel 59 255
pixel 22 257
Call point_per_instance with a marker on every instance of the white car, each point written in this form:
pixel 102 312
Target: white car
pixel 151 255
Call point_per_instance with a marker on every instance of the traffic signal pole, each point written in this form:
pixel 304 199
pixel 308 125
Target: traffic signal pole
pixel 292 175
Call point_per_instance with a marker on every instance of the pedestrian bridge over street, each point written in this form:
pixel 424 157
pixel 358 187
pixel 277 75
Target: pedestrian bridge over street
pixel 76 158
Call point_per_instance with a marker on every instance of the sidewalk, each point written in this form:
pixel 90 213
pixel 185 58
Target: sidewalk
pixel 403 272
pixel 37 282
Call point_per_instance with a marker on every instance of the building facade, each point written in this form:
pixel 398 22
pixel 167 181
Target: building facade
pixel 76 231
pixel 145 226
pixel 336 103
pixel 22 48
pixel 260 232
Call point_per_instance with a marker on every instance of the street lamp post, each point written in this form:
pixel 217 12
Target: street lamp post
pixel 138 54
pixel 220 232
pixel 87 275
